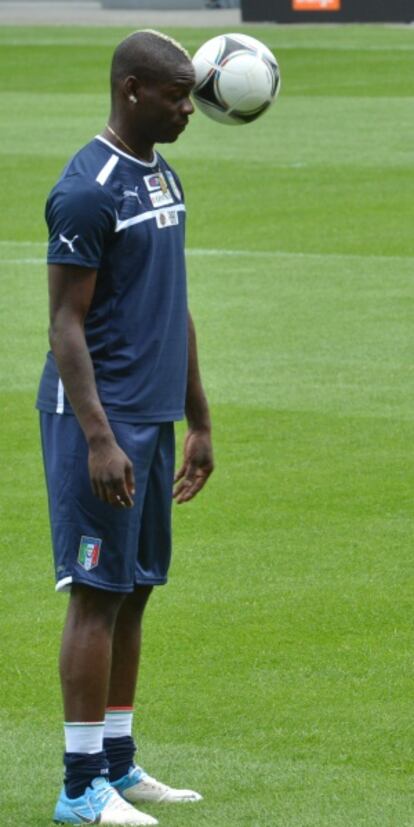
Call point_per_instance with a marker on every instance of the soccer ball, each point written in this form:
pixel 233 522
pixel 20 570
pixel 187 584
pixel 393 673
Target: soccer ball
pixel 237 78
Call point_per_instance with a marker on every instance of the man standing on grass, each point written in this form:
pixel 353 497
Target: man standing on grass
pixel 122 368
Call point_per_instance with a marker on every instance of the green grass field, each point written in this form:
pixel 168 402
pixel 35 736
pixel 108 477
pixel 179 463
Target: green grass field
pixel 277 670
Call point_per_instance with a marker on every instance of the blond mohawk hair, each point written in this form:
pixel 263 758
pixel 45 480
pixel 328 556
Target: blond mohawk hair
pixel 167 39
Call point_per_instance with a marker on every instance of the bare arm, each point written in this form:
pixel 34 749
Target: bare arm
pixel 198 453
pixel 71 292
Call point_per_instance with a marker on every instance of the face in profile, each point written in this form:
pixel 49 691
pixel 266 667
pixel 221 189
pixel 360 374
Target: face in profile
pixel 165 106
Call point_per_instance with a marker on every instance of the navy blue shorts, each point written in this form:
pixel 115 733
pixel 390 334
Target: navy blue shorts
pixel 93 542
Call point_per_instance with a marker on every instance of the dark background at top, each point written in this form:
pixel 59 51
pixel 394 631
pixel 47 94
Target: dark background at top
pixel 280 11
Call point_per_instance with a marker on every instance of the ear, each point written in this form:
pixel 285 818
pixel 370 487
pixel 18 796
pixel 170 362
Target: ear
pixel 131 90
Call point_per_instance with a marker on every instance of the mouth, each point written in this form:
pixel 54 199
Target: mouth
pixel 175 129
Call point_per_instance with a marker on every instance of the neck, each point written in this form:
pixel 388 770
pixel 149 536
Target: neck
pixel 119 135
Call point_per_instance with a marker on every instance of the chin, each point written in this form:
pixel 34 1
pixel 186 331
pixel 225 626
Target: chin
pixel 169 139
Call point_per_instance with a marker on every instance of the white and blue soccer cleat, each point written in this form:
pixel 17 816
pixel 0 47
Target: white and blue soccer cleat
pixel 138 786
pixel 99 804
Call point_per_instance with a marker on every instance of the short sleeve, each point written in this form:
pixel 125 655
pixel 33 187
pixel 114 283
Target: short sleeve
pixel 81 218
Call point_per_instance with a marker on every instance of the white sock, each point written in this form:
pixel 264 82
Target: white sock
pixel 118 721
pixel 84 737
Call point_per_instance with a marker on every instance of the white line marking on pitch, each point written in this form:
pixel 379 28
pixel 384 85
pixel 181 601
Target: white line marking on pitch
pixel 22 261
pixel 216 252
pixel 194 251
pixel 11 243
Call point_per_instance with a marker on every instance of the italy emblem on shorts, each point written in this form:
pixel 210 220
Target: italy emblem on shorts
pixel 89 551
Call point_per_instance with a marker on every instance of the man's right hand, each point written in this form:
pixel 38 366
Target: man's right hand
pixel 111 474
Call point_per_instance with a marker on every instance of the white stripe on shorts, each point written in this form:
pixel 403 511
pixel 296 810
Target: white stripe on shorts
pixel 64 584
pixel 60 405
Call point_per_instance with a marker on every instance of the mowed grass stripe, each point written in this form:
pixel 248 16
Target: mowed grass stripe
pixel 300 335
pixel 215 252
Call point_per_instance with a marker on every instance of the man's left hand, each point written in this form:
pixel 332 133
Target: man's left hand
pixel 197 465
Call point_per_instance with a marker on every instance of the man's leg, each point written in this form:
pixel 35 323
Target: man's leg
pixel 85 670
pixel 126 648
pixel 86 653
pixel 118 741
pixel 85 666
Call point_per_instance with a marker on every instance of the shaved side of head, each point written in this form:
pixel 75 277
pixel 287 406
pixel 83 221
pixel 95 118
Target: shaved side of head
pixel 148 55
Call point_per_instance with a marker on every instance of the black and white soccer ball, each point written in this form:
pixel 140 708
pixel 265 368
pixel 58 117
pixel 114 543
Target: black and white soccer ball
pixel 237 78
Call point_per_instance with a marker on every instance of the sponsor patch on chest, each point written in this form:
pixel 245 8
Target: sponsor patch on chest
pixel 160 198
pixel 155 181
pixel 166 218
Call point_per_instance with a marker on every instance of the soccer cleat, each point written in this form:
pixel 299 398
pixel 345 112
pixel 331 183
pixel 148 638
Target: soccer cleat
pixel 99 804
pixel 137 786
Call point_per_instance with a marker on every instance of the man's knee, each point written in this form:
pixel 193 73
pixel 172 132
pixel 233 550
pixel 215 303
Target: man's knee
pixel 89 605
pixel 136 601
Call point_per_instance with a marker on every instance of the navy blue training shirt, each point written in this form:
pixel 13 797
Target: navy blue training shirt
pixel 125 218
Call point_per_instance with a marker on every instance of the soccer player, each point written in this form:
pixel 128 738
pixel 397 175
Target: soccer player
pixel 122 368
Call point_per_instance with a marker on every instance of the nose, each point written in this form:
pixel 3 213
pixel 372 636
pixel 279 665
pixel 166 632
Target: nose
pixel 187 107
